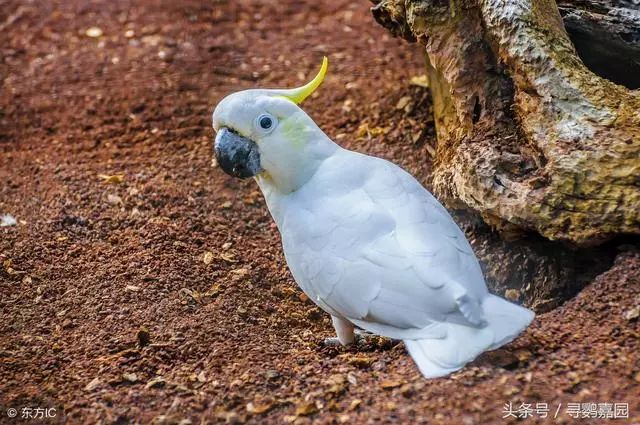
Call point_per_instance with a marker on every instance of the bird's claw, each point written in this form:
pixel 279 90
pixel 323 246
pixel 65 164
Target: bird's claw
pixel 332 342
pixel 360 337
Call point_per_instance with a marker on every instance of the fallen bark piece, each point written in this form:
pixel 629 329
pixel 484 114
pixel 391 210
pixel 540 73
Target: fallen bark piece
pixel 528 136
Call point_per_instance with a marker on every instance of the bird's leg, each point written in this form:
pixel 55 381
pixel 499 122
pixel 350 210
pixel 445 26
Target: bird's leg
pixel 344 332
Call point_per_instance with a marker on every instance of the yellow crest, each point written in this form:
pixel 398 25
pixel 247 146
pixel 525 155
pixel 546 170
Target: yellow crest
pixel 298 95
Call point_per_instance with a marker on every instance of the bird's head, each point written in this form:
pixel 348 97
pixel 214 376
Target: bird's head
pixel 264 133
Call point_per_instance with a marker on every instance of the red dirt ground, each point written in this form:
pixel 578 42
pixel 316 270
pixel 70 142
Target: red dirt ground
pixel 165 298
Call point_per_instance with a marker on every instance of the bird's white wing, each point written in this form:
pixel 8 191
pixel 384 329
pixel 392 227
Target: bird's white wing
pixel 370 244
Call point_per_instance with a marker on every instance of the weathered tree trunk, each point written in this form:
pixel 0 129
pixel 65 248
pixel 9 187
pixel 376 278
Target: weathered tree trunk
pixel 528 135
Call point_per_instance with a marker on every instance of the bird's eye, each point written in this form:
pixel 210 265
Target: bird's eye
pixel 266 123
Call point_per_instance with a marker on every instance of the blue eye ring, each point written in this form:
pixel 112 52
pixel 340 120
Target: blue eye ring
pixel 265 123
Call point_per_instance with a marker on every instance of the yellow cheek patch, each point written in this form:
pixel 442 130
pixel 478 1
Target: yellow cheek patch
pixel 294 131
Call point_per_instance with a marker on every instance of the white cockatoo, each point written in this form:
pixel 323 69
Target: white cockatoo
pixel 363 239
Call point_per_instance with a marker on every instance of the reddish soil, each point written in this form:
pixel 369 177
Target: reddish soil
pixel 165 298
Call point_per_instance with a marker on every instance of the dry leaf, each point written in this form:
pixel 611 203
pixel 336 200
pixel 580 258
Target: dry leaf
pixel 369 132
pixel 306 408
pixel 207 258
pixel 228 257
pixel 403 102
pixel 112 178
pixel 213 291
pixel 360 361
pixel 259 408
pixel 387 385
pixel 420 80
pixel 156 383
pixel 337 385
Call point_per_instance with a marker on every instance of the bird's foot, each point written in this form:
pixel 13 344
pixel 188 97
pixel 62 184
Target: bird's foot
pixel 361 337
pixel 332 342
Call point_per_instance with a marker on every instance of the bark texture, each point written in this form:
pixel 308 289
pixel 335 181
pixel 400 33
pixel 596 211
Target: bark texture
pixel 528 135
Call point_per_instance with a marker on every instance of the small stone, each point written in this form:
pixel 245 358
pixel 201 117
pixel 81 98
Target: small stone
pixel 7 220
pixel 271 374
pixel 259 408
pixel 93 32
pixel 143 337
pixel 130 377
pixel 95 383
pixel 132 288
pixel 230 417
pixel 114 199
pixel 632 314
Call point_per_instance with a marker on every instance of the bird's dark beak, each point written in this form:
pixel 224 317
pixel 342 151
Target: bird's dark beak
pixel 237 155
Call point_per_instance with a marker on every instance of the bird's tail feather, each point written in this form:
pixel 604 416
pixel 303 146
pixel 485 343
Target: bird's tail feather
pixel 505 318
pixel 442 356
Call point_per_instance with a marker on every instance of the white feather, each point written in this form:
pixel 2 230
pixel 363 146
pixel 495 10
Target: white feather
pixel 381 252
pixel 368 243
